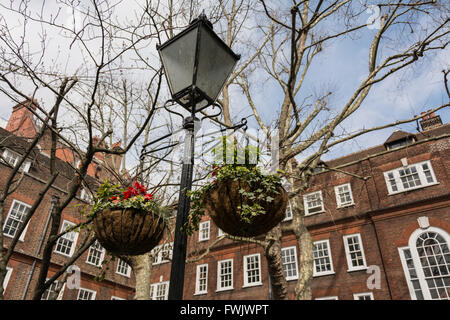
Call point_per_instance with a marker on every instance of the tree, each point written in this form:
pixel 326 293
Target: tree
pixel 309 117
pixel 100 47
pixel 102 77
pixel 316 128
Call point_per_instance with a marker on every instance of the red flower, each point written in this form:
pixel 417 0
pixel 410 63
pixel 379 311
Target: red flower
pixel 137 190
pixel 126 195
pixel 140 187
pixel 148 196
pixel 132 191
pixel 113 198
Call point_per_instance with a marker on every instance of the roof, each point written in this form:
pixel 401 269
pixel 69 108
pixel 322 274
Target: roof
pixel 398 135
pixel 41 166
pixel 423 135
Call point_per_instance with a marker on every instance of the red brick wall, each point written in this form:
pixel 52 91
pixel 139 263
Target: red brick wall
pixel 385 223
pixel 22 259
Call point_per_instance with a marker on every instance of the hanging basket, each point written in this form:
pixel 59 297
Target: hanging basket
pixel 223 201
pixel 128 231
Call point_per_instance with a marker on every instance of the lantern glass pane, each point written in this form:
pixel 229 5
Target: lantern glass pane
pixel 178 60
pixel 215 64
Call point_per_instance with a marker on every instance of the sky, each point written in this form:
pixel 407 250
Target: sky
pixel 339 67
pixel 343 64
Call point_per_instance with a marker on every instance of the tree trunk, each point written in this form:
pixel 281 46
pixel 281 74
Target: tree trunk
pixel 226 104
pixel 276 273
pixel 303 290
pixel 142 268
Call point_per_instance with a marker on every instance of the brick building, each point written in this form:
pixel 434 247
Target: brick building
pixel 379 219
pixel 23 267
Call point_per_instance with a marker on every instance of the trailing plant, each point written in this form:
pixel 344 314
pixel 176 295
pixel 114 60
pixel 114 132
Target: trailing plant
pixel 255 187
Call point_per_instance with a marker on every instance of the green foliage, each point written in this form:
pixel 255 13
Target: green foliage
pixel 262 188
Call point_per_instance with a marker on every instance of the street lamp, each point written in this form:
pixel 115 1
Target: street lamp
pixel 197 64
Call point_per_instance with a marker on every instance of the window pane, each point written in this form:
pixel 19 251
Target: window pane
pixel 47 293
pixel 202 279
pixel 225 274
pixel 15 218
pixel 289 261
pixel 161 291
pixel 354 251
pixel 411 177
pixel 322 261
pixel 313 202
pixel 66 241
pixel 430 247
pixel 95 254
pixel 253 272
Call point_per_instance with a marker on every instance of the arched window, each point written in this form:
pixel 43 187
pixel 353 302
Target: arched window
pixel 426 263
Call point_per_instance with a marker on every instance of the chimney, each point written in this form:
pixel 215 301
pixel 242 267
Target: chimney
pixel 21 121
pixel 430 121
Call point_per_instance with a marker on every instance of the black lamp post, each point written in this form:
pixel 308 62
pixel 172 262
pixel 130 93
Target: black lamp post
pixel 197 63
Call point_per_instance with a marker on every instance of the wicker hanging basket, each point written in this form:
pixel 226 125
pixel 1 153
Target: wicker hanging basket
pixel 128 231
pixel 222 203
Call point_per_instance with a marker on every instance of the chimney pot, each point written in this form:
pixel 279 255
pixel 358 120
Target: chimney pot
pixel 430 121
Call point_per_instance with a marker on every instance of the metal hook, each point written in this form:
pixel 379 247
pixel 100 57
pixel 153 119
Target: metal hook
pixel 214 115
pixel 243 124
pixel 174 112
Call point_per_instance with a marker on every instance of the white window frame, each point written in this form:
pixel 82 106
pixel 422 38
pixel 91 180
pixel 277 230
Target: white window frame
pixel 406 270
pixel 219 275
pixel 204 231
pixel 7 277
pixel 246 282
pixel 397 180
pixel 50 290
pixel 154 290
pixel 288 214
pixel 329 256
pixel 220 232
pixel 348 256
pixel 64 226
pixel 86 196
pixel 22 236
pixel 327 298
pixel 305 203
pixel 119 266
pixel 162 253
pixel 94 293
pixel 117 298
pixel 356 296
pixel 102 254
pixel 424 288
pixel 25 167
pixel 294 277
pixel 199 277
pixel 338 197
